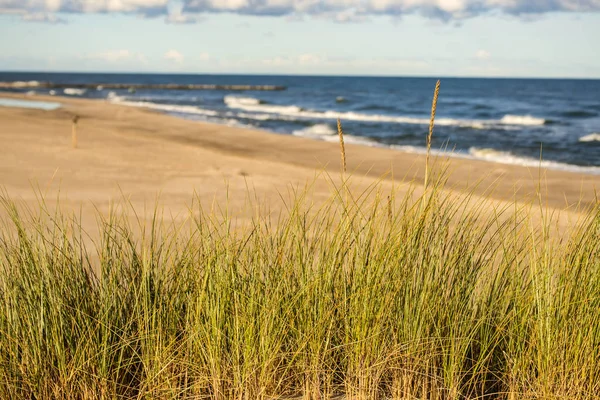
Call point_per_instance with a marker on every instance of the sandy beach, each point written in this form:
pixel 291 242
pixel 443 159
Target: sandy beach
pixel 142 155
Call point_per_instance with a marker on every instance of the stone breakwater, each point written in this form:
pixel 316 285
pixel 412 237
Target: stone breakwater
pixel 165 86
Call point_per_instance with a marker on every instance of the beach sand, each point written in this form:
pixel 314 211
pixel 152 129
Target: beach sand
pixel 142 155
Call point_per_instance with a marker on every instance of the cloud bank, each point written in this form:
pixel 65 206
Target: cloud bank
pixel 443 9
pixel 43 7
pixel 337 10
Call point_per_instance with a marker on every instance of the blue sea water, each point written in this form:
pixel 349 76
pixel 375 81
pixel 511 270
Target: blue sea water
pixel 503 120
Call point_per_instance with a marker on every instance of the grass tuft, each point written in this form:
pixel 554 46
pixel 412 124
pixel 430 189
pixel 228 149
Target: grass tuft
pixel 377 297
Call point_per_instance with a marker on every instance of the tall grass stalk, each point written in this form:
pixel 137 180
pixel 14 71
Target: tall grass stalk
pixel 436 93
pixel 342 147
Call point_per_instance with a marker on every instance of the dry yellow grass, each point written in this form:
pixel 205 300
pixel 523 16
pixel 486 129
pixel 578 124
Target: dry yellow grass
pixel 431 123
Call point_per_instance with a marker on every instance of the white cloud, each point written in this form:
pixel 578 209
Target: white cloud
pixel 44 17
pixel 34 7
pixel 337 10
pixel 176 16
pixel 483 54
pixel 175 56
pixel 353 10
pixel 204 57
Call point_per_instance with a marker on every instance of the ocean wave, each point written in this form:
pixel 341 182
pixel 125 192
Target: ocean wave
pixel 248 101
pixel 265 117
pixel 23 84
pixel 258 117
pixel 74 92
pixel 255 105
pixel 250 104
pixel 114 97
pixel 592 137
pixel 505 157
pixel 316 130
pixel 526 120
pixel 161 107
pixel 168 98
pixel 499 157
pixel 171 108
pixel 328 134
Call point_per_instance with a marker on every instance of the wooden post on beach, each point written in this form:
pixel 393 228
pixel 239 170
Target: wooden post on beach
pixel 74 132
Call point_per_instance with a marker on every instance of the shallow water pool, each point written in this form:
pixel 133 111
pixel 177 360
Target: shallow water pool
pixel 40 105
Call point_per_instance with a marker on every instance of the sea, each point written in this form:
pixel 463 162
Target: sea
pixel 553 123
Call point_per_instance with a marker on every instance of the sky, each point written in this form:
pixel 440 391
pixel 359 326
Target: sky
pixel 488 38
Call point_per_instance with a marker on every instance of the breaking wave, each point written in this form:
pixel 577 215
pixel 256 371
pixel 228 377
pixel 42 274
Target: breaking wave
pixel 316 130
pixel 526 120
pixel 592 137
pixel 250 104
pixel 74 92
pixel 505 157
pixel 114 98
pixel 327 133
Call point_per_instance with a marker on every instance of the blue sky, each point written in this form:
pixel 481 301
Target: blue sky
pixel 555 38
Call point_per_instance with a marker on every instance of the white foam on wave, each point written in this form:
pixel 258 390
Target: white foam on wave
pixel 114 98
pixel 170 108
pixel 248 101
pixel 505 157
pixel 316 130
pixel 500 157
pixel 258 117
pixel 526 120
pixel 328 134
pixel 74 92
pixel 592 137
pixel 250 104
pixel 23 84
pixel 255 105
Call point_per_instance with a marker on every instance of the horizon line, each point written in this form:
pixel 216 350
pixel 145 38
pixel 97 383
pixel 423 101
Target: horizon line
pixel 266 74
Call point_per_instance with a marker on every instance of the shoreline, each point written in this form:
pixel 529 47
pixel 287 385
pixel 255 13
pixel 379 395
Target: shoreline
pixel 324 131
pixel 279 154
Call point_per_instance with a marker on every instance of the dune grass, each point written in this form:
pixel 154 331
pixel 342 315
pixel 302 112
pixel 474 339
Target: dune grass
pixel 430 296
